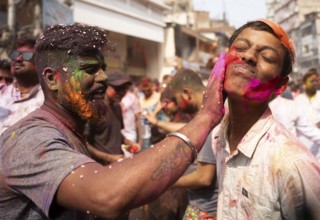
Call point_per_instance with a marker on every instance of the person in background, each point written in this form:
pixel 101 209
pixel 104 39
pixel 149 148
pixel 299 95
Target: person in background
pixel 150 103
pixel 309 100
pixel 150 98
pixel 105 135
pixel 294 119
pixel 24 95
pixel 309 103
pixel 156 85
pixel 6 77
pixel 45 169
pixel 182 98
pixel 295 90
pixel 183 95
pixel 263 171
pixel 166 79
pixel 200 182
pixel 131 112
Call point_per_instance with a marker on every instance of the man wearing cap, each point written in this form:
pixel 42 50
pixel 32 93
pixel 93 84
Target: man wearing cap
pixel 24 95
pixel 263 171
pixel 105 135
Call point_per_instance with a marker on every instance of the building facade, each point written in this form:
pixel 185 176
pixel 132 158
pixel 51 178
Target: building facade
pixel 300 18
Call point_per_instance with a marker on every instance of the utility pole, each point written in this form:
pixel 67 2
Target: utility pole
pixel 37 19
pixel 11 18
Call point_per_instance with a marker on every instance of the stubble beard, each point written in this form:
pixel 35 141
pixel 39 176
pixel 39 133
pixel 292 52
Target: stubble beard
pixel 85 107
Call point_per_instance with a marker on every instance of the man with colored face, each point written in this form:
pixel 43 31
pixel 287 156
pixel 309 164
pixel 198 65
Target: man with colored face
pixel 309 102
pixel 24 95
pixel 150 98
pixel 46 171
pixel 184 94
pixel 263 171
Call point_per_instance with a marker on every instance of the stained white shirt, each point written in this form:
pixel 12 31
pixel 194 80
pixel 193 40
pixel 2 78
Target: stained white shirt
pixel 294 119
pixel 269 176
pixel 14 107
pixel 130 108
pixel 311 110
pixel 310 107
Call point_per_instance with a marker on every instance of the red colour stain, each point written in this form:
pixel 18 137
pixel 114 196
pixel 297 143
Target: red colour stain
pixel 41 152
pixel 233 203
pixel 268 136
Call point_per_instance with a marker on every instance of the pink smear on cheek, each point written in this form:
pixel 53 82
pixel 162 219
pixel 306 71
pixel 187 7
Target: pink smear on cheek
pixel 261 91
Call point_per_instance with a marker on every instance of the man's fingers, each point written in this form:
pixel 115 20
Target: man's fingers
pixel 217 72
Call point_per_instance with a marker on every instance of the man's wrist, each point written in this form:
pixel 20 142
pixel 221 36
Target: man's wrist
pixel 206 117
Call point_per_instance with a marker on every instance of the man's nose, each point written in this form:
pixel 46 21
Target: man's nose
pixel 249 56
pixel 101 76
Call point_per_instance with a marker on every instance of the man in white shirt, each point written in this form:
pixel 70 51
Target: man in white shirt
pixel 263 173
pixel 296 121
pixel 24 95
pixel 131 111
pixel 309 103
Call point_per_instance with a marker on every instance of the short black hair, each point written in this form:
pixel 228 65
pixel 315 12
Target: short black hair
pixel 261 26
pixel 186 78
pixel 21 42
pixel 5 65
pixel 61 41
pixel 308 74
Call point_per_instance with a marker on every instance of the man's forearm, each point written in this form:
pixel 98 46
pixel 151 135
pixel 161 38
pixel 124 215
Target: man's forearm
pixel 169 126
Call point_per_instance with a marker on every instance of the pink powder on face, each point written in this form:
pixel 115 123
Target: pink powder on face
pixel 255 90
pixel 261 91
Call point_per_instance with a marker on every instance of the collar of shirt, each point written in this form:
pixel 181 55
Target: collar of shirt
pixel 249 142
pixel 76 126
pixel 17 96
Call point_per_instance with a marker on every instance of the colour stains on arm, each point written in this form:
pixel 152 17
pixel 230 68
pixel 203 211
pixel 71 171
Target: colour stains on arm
pixel 170 163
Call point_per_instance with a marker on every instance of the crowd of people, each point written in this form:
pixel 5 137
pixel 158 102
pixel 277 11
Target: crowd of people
pixel 81 142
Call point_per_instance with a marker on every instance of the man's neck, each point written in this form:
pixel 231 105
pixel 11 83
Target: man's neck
pixel 25 84
pixel 66 116
pixel 242 117
pixel 310 94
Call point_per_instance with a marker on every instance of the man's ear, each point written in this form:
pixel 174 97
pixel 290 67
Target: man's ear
pixel 187 94
pixel 283 85
pixel 50 78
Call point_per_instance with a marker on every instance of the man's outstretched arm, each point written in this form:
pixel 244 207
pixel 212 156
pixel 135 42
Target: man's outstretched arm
pixel 109 191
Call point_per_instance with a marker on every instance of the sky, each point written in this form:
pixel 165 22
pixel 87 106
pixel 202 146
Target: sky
pixel 238 12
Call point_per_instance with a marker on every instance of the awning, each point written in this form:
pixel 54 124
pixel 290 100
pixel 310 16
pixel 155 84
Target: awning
pixel 116 19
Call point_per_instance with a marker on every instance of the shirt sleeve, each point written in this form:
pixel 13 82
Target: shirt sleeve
pixel 206 153
pixel 35 162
